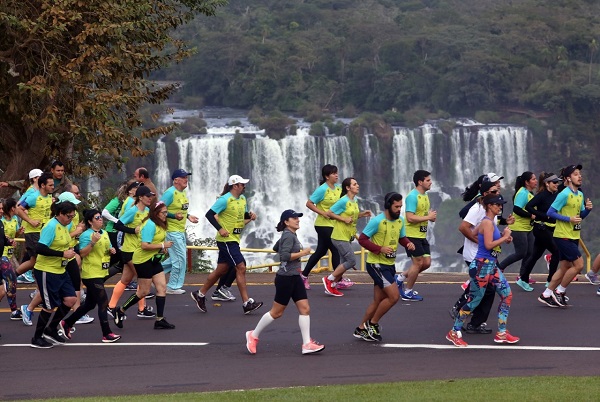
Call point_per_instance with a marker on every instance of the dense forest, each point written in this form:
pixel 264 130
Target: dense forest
pixel 532 62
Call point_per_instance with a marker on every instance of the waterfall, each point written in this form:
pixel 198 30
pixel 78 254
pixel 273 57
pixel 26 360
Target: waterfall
pixel 162 176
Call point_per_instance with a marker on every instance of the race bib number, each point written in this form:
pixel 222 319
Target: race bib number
pixel 10 251
pixel 391 255
pixel 105 265
pixel 494 253
pixel 237 231
pixel 185 206
pixel 423 229
pixel 577 226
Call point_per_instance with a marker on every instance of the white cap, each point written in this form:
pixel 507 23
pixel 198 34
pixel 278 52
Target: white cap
pixel 494 177
pixel 35 173
pixel 235 179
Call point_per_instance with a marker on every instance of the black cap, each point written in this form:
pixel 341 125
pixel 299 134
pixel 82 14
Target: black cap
pixel 289 213
pixel 143 190
pixel 568 171
pixel 485 186
pixel 497 199
pixel 133 185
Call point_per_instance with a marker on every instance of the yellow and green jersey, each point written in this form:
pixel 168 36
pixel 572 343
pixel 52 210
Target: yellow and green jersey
pixel 96 263
pixel 521 199
pixel 176 201
pixel 324 197
pixel 384 232
pixel 231 212
pixel 56 237
pixel 345 207
pixel 132 218
pixel 568 203
pixel 151 234
pixel 38 208
pixel 10 230
pixel 418 204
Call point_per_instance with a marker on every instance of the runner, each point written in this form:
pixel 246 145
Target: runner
pixel 522 230
pixel 111 213
pixel 9 227
pixel 418 215
pixel 54 283
pixel 177 204
pixel 35 213
pixel 229 215
pixel 543 228
pixel 569 209
pixel 130 224
pixel 484 270
pixel 319 202
pixel 95 250
pixel 147 261
pixel 345 214
pixel 288 285
pixel 381 237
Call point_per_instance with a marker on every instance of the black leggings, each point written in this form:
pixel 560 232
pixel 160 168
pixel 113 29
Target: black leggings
pixel 323 244
pixel 543 241
pixel 96 294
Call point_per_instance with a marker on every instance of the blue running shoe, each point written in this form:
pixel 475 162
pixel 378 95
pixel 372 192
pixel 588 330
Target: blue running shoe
pixel 399 282
pixel 410 296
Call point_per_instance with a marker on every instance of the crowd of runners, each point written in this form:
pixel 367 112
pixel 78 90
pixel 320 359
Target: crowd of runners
pixel 71 249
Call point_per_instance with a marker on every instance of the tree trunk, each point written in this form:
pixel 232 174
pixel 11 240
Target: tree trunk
pixel 22 152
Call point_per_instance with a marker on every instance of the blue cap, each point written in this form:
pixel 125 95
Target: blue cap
pixel 289 213
pixel 179 173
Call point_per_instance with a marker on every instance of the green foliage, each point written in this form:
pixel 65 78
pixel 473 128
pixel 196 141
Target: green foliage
pixel 487 116
pixel 317 129
pixel 275 124
pixel 234 123
pixel 200 261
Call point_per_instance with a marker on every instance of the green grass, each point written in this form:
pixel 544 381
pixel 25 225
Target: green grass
pixel 481 389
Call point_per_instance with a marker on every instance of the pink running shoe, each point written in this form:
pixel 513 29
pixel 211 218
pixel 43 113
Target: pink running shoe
pixel 305 281
pixel 505 337
pixel 465 285
pixel 345 283
pixel 251 342
pixel 312 347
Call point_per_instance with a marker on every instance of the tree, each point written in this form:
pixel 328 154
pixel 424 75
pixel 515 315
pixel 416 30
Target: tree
pixel 74 74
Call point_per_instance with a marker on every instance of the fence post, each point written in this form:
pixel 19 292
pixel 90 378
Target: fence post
pixel 189 260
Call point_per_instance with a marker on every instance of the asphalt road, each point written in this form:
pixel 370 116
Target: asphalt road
pixel 206 352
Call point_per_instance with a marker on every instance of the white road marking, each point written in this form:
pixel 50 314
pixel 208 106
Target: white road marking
pixel 118 344
pixel 493 347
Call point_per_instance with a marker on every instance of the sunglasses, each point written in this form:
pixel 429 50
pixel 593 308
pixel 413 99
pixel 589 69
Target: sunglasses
pixel 493 191
pixel 98 218
pixel 70 216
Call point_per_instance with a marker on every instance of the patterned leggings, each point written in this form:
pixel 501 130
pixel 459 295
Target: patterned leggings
pixel 10 281
pixel 483 272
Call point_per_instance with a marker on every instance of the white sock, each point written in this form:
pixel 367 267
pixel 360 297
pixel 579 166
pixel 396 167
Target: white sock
pixel 560 289
pixel 304 323
pixel 331 278
pixel 264 322
pixel 407 290
pixel 547 293
pixel 401 277
pixel 200 294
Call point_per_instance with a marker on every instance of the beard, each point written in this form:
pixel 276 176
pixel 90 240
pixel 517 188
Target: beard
pixel 393 215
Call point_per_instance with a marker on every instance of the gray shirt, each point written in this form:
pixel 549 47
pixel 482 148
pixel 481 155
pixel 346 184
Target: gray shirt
pixel 285 246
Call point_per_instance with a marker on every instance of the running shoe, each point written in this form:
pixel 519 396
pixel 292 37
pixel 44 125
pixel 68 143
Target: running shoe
pixel 505 337
pixel 524 285
pixel 480 330
pixel 305 282
pixel 146 313
pixel 27 315
pixel 362 333
pixel 41 343
pixel 345 283
pixel 82 297
pixel 85 319
pixel 119 316
pixel 132 286
pixel 225 290
pixel 329 289
pixel 175 291
pixel 598 291
pixel 152 295
pixel 32 294
pixel 200 300
pixel 16 315
pixel 251 342
pixel 561 299
pixel 410 296
pixel 548 258
pixel 52 336
pixel 465 285
pixel 251 306
pixel 548 301
pixel 110 338
pixel 64 330
pixel 398 281
pixel 22 279
pixel 456 338
pixel 217 296
pixel 163 324
pixel 312 347
pixel 592 277
pixel 374 331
